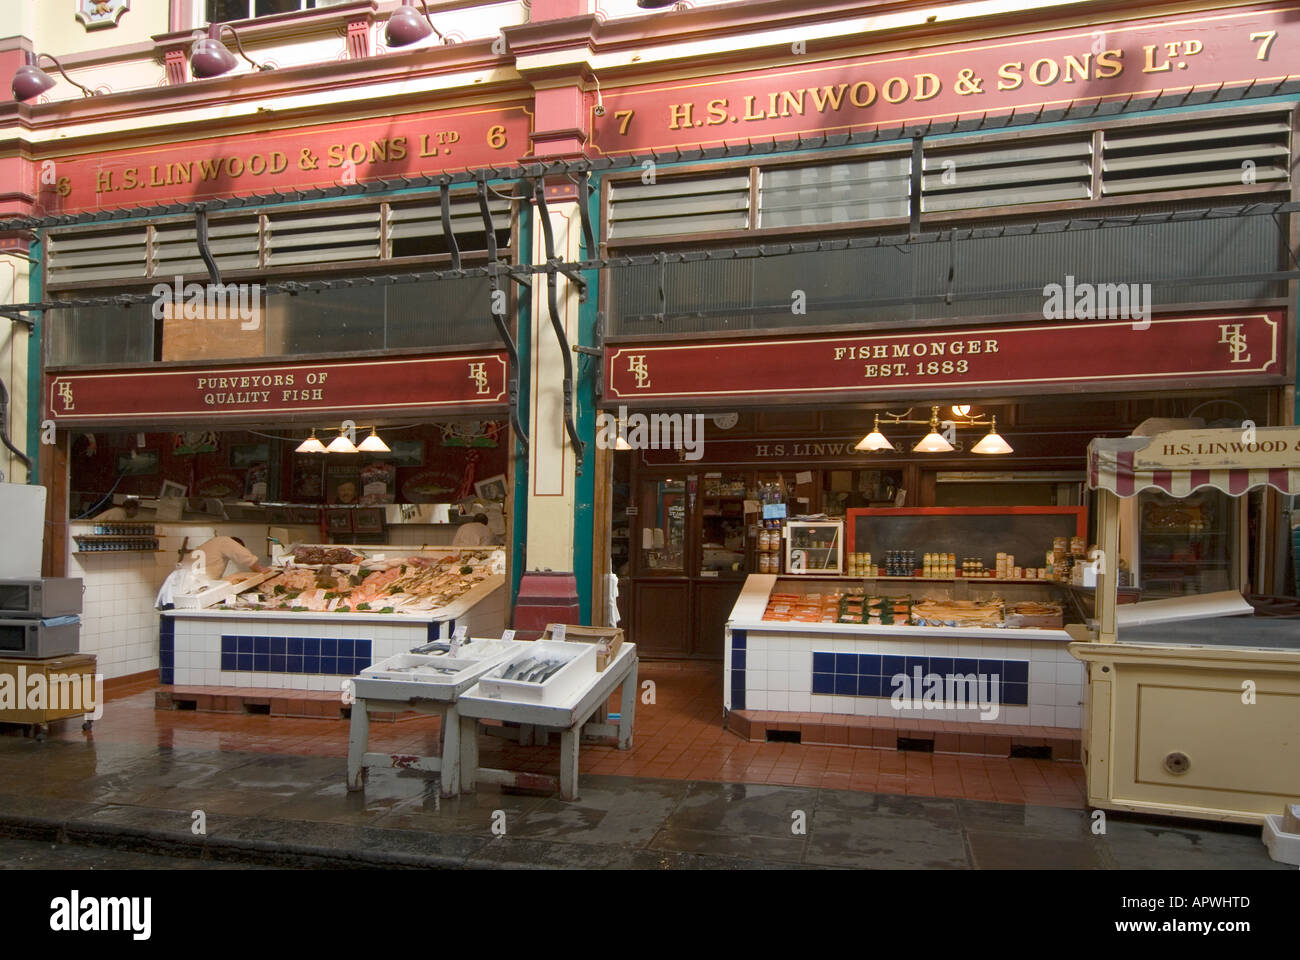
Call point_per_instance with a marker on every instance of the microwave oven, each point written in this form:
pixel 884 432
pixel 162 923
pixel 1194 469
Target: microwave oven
pixel 29 637
pixel 40 597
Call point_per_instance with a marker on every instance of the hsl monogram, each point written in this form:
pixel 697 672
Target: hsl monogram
pixel 478 373
pixel 65 395
pixel 1230 334
pixel 637 367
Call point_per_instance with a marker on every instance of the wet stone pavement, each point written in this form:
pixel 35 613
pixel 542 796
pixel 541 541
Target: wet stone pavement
pixel 72 804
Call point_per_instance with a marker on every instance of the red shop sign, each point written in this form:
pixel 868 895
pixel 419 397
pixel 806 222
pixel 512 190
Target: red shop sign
pixel 1105 60
pixel 1042 356
pixel 300 158
pixel 471 381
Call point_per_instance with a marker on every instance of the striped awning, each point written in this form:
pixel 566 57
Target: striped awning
pixel 1181 461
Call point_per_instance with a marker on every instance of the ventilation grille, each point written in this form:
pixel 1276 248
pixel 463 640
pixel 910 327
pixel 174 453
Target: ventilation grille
pixel 1187 156
pixel 1005 176
pixel 675 208
pixel 244 241
pixel 234 245
pixel 835 192
pixel 322 236
pixel 92 255
pixel 416 228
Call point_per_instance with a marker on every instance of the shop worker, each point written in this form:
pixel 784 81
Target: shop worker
pixel 129 509
pixel 220 551
pixel 476 533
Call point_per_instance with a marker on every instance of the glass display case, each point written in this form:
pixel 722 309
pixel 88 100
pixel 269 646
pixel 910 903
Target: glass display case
pixel 1186 543
pixel 814 547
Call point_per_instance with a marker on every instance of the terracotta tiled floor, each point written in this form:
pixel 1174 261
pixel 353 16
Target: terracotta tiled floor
pixel 679 736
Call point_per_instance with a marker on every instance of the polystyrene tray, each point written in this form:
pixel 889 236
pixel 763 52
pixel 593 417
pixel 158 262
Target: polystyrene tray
pixel 579 670
pixel 384 681
pixel 1282 847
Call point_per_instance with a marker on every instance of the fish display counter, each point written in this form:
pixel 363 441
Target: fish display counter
pixel 326 612
pixel 902 647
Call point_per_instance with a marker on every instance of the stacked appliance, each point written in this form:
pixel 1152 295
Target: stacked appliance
pixel 40 617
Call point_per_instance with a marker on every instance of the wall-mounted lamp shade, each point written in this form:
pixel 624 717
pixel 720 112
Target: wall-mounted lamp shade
pixel 373 443
pixel 932 442
pixel 30 81
pixel 210 58
pixel 992 442
pixel 310 445
pixel 406 26
pixel 341 444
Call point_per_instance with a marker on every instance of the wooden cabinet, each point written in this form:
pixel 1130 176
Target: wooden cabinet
pixel 661 622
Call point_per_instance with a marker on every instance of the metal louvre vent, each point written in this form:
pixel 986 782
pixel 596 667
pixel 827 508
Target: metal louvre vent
pixel 233 242
pixel 999 176
pixel 322 236
pixel 1185 156
pixel 673 208
pixel 89 255
pixel 835 192
pixel 416 228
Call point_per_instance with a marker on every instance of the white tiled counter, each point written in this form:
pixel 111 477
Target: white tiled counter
pixel 851 669
pixel 273 649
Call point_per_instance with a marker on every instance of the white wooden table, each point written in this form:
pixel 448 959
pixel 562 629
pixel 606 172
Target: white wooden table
pixel 570 718
pixel 395 696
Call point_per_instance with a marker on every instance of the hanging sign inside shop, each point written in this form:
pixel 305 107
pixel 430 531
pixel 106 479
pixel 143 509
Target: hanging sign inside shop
pixel 1097 354
pixel 1106 60
pixel 470 381
pixel 301 158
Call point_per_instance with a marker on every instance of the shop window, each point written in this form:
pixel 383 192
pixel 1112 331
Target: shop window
pixel 221 11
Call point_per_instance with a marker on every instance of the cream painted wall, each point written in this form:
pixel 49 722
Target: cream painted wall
pixel 551 475
pixel 58 31
pixel 14 339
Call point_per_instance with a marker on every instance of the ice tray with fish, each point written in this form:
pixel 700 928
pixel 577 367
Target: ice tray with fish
pixel 544 672
pixel 406 676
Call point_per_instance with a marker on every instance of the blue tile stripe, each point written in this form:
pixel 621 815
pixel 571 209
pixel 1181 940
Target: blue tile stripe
pixel 738 641
pixel 315 655
pixel 871 674
pixel 166 650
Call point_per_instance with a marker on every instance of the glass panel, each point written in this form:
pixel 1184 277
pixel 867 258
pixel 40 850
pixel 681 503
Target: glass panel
pixel 814 546
pixel 661 519
pixel 723 529
pixel 101 335
pixel 842 489
pixel 221 11
pixel 847 287
pixel 1186 544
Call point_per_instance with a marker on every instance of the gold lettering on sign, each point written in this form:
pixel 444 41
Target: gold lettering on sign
pixel 478 373
pixel 65 395
pixel 636 366
pixel 1231 335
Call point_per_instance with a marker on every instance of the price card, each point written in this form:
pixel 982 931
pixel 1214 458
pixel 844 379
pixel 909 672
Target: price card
pixel 507 634
pixel 461 633
pixel 557 632
pixel 803 476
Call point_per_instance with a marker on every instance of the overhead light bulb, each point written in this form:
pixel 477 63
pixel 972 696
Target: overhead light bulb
pixel 933 442
pixel 992 442
pixel 341 444
pixel 620 442
pixel 962 410
pixel 373 444
pixel 875 440
pixel 310 445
